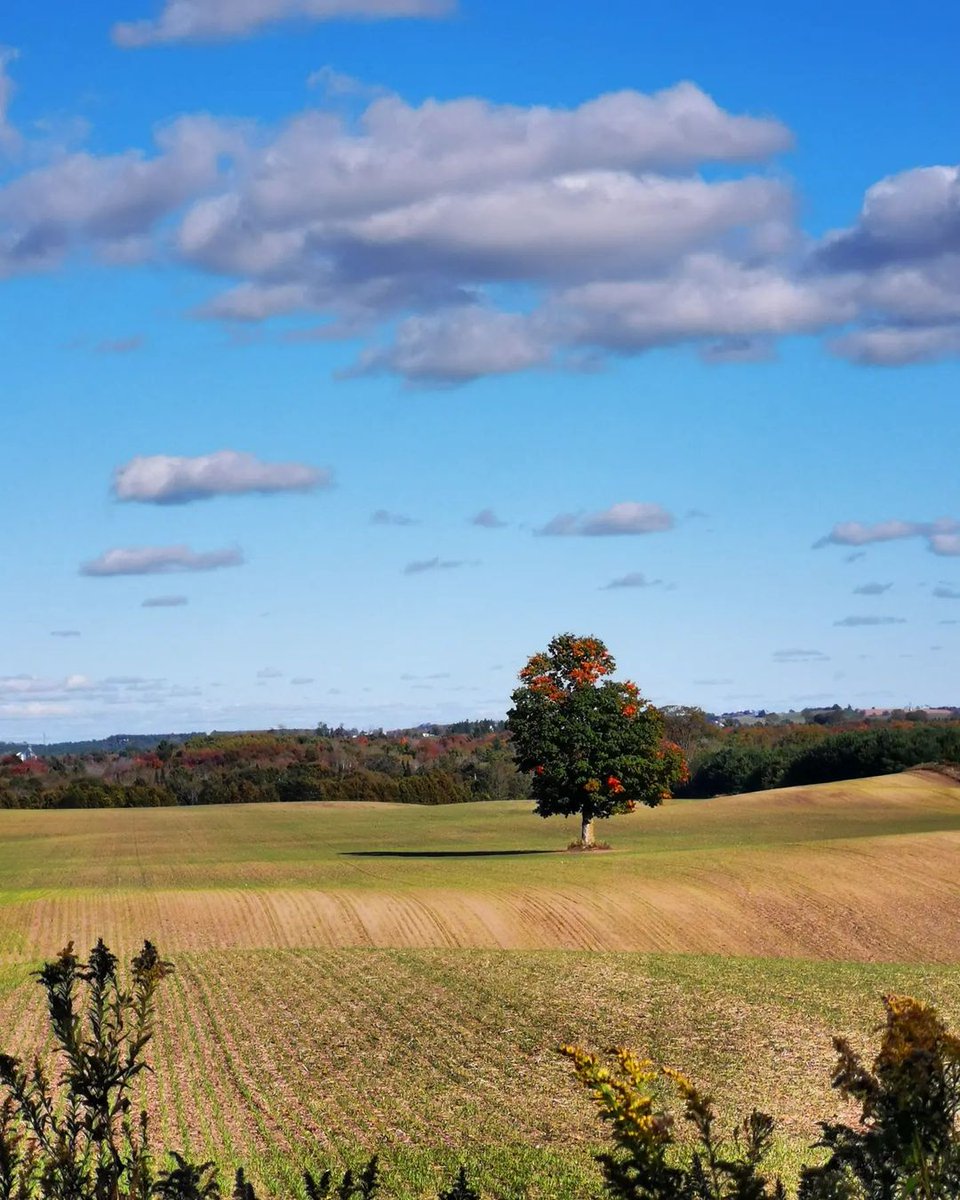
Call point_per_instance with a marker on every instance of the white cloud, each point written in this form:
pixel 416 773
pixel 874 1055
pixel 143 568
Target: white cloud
pixel 634 579
pixel 626 518
pixel 705 296
pixel 903 257
pixel 898 346
pixel 383 517
pixel 870 620
pixel 112 202
pixel 457 346
pixel 795 655
pixel 166 479
pixel 942 535
pixel 414 211
pixel 486 518
pixel 905 217
pixel 424 565
pixel 159 560
pixel 945 543
pixel 220 20
pixel 872 589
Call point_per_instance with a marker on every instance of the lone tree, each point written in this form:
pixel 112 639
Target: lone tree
pixel 593 748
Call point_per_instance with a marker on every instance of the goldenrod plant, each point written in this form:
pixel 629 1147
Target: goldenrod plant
pixel 906 1145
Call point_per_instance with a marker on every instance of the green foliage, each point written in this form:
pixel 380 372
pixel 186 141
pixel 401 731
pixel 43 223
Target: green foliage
pixel 753 760
pixel 77 1138
pixel 593 748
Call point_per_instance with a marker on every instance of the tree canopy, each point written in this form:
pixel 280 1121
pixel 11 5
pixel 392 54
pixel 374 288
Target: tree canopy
pixel 592 745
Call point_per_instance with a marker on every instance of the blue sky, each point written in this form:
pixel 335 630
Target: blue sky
pixel 295 290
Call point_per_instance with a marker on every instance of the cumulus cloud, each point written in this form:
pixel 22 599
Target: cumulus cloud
pixel 165 479
pixel 872 589
pixel 159 560
pixel 898 346
pixel 417 210
pixel 421 566
pixel 851 622
pixel 794 655
pixel 457 346
pixel 944 591
pixel 411 218
pixel 221 20
pixel 907 217
pixel 164 602
pixel 486 518
pixel 942 535
pixel 703 296
pixel 634 579
pixel 301 680
pixel 65 633
pixel 625 518
pixel 902 256
pixel 384 517
pixel 111 203
pixel 269 673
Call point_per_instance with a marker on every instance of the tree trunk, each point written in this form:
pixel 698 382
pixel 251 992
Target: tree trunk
pixel 586 832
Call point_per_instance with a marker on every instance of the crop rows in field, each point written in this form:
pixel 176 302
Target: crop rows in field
pixel 281 1058
pixel 868 899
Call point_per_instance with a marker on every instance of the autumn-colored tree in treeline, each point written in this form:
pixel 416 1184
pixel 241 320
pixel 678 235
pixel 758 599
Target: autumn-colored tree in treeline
pixel 592 745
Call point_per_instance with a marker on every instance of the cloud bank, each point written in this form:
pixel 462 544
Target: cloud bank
pixel 631 221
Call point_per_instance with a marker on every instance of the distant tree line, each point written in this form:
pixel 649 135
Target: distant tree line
pixel 452 768
pixel 752 760
pixel 449 767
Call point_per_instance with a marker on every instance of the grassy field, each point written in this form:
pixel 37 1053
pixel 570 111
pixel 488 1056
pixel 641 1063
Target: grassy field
pixel 360 977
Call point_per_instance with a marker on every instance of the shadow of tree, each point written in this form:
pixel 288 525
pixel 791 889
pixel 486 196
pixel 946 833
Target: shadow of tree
pixel 439 853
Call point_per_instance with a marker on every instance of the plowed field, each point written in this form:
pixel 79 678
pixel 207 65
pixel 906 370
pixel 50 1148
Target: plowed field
pixel 365 976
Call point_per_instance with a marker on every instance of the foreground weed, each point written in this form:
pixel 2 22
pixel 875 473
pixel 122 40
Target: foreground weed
pixel 906 1145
